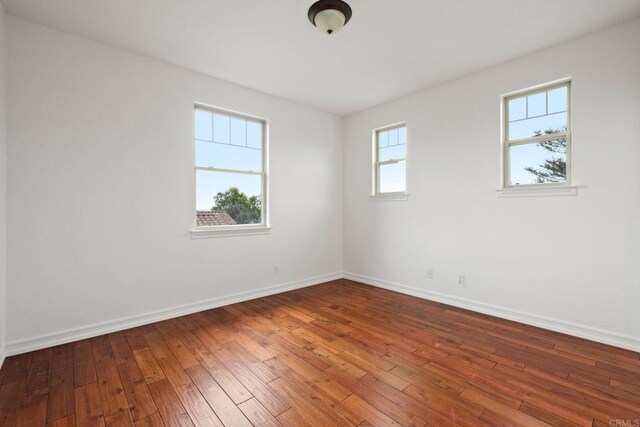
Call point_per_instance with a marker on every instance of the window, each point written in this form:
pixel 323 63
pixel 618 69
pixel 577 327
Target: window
pixel 390 160
pixel 537 136
pixel 230 170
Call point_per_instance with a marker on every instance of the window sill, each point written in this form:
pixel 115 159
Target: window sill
pixel 207 233
pixel 389 196
pixel 565 190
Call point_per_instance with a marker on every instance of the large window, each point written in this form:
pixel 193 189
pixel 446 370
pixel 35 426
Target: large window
pixel 390 160
pixel 537 136
pixel 230 170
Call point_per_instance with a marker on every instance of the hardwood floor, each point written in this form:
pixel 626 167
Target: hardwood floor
pixel 339 353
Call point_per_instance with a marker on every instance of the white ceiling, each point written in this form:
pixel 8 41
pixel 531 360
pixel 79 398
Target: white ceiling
pixel 389 49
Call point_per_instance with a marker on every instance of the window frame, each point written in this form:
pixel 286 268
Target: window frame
pixel 376 163
pixel 236 229
pixel 506 143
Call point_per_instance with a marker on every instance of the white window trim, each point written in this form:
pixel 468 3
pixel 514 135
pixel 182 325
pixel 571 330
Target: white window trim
pixel 240 229
pixel 535 190
pixel 228 231
pixel 375 188
pixel 540 191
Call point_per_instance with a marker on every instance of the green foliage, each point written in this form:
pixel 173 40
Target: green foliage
pixel 554 168
pixel 243 209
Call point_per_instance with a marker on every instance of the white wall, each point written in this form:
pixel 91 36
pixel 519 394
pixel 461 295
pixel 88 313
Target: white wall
pixel 3 185
pixel 570 263
pixel 100 190
pixel 100 193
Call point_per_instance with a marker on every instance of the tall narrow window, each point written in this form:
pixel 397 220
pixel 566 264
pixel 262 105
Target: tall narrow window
pixel 229 170
pixel 390 160
pixel 537 136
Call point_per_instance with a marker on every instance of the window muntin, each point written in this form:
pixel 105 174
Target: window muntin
pixel 537 135
pixel 230 168
pixel 390 158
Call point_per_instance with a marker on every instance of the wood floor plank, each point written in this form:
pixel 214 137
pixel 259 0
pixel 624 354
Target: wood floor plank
pixel 119 419
pixel 88 406
pixel 168 403
pixel 257 414
pixel 84 369
pixel 229 383
pixel 222 404
pixel 61 401
pixel 69 421
pixel 148 365
pixel 139 399
pixel 120 348
pixel 292 418
pixel 339 353
pixel 33 410
pixel 111 389
pixel 11 396
pixel 101 348
pixel 154 420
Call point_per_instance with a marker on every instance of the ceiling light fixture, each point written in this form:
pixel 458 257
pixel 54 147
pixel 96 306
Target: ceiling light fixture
pixel 329 16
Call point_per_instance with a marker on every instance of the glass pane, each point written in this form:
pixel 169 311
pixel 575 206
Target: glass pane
pixel 552 123
pixel 537 104
pixel 221 128
pixel 228 198
pixel 402 135
pixel 224 156
pixel 383 139
pixel 204 125
pixel 557 100
pixel 393 137
pixel 238 132
pixel 392 177
pixel 392 152
pixel 254 134
pixel 518 108
pixel 538 163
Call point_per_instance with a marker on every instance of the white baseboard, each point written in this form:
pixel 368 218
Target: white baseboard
pixel 581 331
pixel 82 332
pixel 96 329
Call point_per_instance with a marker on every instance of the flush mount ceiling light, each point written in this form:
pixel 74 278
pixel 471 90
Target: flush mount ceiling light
pixel 329 16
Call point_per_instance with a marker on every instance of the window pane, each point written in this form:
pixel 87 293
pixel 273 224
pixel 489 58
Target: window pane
pixel 538 163
pixel 537 104
pixel 254 134
pixel 224 156
pixel 402 135
pixel 234 198
pixel 204 125
pixel 383 139
pixel 238 132
pixel 551 123
pixel 392 152
pixel 557 100
pixel 392 177
pixel 393 137
pixel 221 128
pixel 518 108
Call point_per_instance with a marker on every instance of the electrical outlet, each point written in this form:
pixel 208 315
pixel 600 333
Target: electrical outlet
pixel 461 279
pixel 276 269
pixel 429 274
